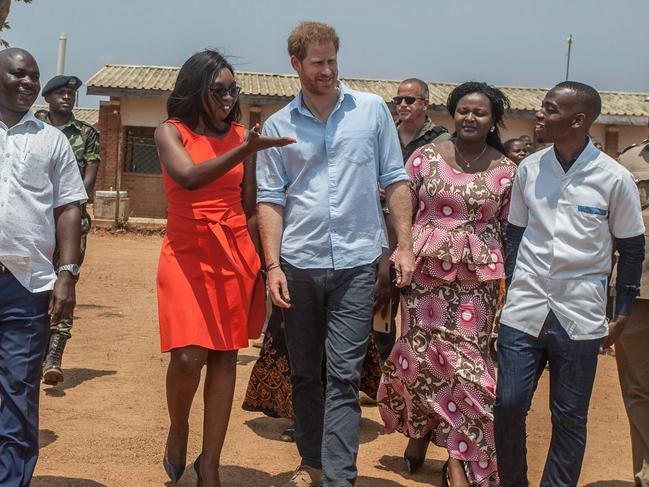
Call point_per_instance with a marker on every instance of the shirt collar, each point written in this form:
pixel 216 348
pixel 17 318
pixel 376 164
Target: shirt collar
pixel 298 102
pixel 71 121
pixel 427 127
pixel 585 154
pixel 28 118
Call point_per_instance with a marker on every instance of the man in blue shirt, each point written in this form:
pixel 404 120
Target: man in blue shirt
pixel 323 232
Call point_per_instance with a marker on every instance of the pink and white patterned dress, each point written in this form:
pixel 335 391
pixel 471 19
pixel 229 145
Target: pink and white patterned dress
pixel 440 378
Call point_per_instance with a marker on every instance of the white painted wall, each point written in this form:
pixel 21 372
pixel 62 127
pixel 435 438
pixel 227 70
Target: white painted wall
pixel 142 112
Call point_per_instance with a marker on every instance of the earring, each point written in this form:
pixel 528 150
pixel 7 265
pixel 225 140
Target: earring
pixel 492 129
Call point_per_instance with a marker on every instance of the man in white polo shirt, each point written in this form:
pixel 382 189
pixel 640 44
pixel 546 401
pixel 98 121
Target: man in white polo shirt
pixel 40 195
pixel 570 204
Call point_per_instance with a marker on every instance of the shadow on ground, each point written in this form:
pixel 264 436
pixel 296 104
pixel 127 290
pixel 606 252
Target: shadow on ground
pixel 46 437
pixel 74 377
pixel 51 481
pixel 268 428
pixel 90 306
pixel 610 483
pixel 370 430
pixel 271 428
pixel 245 359
pixel 431 469
pixel 234 476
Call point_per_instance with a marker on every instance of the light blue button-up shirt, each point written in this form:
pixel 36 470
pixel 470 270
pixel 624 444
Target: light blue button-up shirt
pixel 328 182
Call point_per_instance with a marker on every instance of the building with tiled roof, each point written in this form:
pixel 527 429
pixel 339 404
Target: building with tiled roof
pixel 158 81
pixel 137 105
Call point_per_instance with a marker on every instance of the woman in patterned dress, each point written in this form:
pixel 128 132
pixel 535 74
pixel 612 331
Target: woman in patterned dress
pixel 438 384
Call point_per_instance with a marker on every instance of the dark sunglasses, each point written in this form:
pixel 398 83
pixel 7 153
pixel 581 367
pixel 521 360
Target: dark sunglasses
pixel 409 99
pixel 222 92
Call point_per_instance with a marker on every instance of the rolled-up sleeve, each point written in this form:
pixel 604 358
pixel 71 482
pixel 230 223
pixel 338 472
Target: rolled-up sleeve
pixel 625 211
pixel 271 176
pixel 391 168
pixel 518 211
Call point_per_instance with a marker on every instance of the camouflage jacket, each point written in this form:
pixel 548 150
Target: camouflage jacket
pixel 428 133
pixel 83 138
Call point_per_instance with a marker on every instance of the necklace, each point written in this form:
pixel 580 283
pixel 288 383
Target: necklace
pixel 468 163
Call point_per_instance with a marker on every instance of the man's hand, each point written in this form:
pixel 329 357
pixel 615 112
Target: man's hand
pixel 404 265
pixel 615 329
pixel 256 142
pixel 63 297
pixel 278 288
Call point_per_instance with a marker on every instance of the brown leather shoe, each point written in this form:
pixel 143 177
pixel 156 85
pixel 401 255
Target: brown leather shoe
pixel 305 476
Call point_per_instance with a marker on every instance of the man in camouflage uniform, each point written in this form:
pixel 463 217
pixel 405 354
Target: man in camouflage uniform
pixel 60 93
pixel 632 348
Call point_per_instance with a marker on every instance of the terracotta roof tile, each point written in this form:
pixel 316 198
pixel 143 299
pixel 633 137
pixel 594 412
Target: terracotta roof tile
pixel 116 77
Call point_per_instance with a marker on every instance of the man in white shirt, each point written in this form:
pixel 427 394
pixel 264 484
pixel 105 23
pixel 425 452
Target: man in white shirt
pixel 570 204
pixel 40 195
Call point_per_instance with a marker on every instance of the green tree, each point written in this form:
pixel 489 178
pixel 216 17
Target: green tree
pixel 5 6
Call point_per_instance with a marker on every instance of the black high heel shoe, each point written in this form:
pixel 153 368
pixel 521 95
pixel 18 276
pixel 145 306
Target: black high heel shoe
pixel 173 471
pixel 413 463
pixel 197 468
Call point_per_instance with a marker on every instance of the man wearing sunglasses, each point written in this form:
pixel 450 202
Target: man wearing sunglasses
pixel 415 128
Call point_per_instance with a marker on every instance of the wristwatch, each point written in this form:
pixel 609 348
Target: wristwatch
pixel 73 269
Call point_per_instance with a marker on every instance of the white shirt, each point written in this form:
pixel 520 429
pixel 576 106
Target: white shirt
pixel 38 172
pixel 565 255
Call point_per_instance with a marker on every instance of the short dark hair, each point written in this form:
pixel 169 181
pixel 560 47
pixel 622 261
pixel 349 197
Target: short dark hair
pixel 499 104
pixel 423 86
pixel 189 99
pixel 307 33
pixel 587 97
pixel 508 144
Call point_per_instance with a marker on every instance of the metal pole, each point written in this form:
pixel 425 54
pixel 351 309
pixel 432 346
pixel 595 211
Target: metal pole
pixel 118 177
pixel 569 42
pixel 60 62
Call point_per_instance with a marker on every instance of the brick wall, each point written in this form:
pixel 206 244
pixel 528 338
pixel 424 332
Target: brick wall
pixel 146 194
pixel 110 126
pixel 612 142
pixel 145 191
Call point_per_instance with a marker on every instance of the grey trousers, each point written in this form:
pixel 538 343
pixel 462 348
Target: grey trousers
pixel 330 314
pixel 632 355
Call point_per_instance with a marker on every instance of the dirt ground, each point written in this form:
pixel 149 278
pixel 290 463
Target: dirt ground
pixel 105 426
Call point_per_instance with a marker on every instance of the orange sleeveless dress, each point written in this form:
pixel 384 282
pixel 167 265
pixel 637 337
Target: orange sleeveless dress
pixel 210 290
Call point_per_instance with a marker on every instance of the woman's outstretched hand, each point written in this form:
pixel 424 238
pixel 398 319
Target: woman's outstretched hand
pixel 257 142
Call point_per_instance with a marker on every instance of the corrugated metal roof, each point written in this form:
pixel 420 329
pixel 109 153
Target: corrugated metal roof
pixel 118 78
pixel 88 115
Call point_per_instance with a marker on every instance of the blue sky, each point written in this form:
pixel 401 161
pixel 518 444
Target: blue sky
pixel 505 42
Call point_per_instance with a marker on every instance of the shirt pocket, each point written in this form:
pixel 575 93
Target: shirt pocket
pixel 590 219
pixel 356 146
pixel 33 172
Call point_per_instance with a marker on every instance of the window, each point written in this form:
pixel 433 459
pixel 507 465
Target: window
pixel 141 154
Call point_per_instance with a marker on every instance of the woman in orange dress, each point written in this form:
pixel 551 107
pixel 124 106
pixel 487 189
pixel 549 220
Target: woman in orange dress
pixel 211 297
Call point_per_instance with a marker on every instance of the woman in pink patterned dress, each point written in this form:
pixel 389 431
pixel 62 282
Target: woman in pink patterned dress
pixel 439 384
